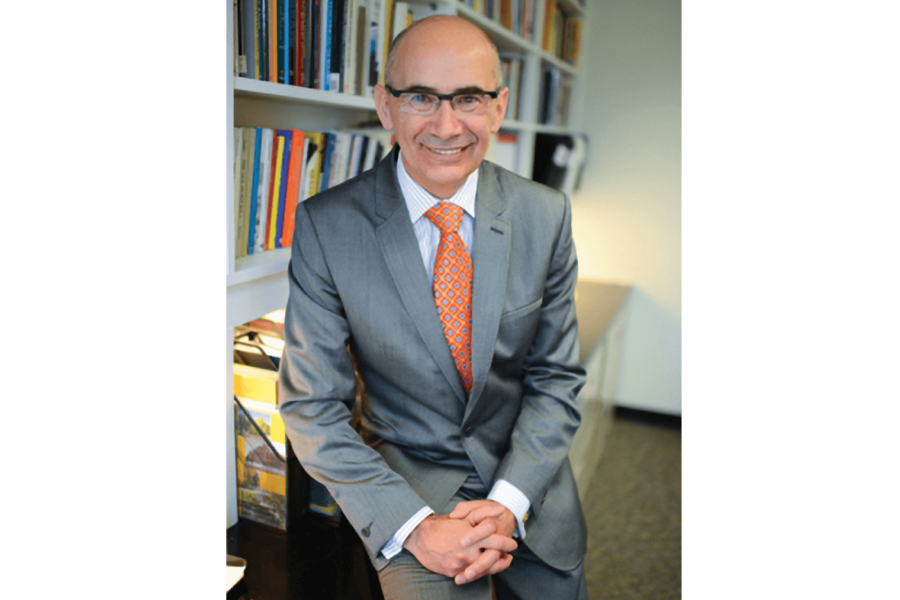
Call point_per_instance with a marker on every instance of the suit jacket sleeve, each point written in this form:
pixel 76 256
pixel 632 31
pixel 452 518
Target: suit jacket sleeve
pixel 317 392
pixel 551 378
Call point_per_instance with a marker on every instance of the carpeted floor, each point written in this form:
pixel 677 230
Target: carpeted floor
pixel 633 511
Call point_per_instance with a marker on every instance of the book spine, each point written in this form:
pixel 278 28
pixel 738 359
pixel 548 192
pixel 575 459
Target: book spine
pixel 250 211
pixel 277 158
pixel 325 45
pixel 282 193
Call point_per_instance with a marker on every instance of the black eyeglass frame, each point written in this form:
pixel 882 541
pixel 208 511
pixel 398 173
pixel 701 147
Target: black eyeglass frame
pixel 448 97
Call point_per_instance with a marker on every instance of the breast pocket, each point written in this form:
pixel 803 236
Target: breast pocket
pixel 515 336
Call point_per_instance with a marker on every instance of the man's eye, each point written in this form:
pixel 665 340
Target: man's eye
pixel 420 99
pixel 468 99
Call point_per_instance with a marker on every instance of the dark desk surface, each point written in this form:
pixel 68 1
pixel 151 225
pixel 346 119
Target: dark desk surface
pixel 596 303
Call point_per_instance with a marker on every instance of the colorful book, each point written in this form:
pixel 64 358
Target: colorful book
pixel 278 214
pixel 250 222
pixel 292 193
pixel 277 157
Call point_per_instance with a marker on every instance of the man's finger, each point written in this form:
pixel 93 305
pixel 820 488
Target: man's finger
pixel 498 542
pixel 480 567
pixel 479 532
pixel 462 510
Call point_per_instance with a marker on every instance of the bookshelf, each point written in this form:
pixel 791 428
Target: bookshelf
pixel 257 284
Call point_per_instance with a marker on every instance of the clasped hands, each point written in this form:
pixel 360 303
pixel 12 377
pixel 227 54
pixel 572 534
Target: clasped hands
pixel 472 541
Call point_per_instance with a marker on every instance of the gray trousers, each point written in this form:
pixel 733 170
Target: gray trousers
pixel 527 578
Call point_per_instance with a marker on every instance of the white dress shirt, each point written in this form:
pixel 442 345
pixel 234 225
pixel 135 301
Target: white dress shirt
pixel 418 201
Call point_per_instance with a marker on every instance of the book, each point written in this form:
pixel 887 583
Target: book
pixel 400 20
pixel 249 36
pixel 275 170
pixel 314 162
pixel 273 32
pixel 337 45
pixel 274 200
pixel 278 214
pixel 332 45
pixel 241 174
pixel 261 474
pixel 299 34
pixel 386 37
pixel 325 24
pixel 262 193
pixel 273 183
pixel 256 383
pixel 249 227
pixel 248 135
pixel 292 193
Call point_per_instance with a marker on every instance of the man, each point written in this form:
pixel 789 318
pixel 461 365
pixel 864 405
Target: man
pixel 459 473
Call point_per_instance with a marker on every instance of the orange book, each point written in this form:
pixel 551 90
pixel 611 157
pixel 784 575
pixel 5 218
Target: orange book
pixel 293 187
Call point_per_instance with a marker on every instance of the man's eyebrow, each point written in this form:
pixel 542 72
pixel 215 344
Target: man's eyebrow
pixel 472 89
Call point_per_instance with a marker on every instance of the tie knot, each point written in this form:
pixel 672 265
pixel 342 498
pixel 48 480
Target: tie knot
pixel 445 215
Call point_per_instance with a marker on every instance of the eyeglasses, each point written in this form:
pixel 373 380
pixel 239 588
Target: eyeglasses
pixel 426 103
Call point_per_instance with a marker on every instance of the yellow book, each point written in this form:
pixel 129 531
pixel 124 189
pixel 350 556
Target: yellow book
pixel 269 420
pixel 314 162
pixel 272 228
pixel 255 383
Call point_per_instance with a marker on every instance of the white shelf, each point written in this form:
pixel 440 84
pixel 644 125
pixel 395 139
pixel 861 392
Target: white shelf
pixel 257 266
pixel 252 88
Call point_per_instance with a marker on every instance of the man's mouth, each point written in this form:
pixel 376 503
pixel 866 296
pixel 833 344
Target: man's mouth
pixel 449 152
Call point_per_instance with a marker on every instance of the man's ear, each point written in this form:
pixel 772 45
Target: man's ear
pixel 381 107
pixel 500 107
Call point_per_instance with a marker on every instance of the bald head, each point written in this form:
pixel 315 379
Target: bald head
pixel 440 30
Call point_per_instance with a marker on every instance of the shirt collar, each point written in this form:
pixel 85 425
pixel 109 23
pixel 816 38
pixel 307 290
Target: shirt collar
pixel 418 200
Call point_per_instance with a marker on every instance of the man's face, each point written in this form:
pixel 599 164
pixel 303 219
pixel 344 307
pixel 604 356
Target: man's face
pixel 441 150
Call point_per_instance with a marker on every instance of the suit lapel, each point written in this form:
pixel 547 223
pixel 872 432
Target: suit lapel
pixel 490 259
pixel 400 250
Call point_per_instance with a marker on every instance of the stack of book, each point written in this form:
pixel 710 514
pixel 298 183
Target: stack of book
pixel 555 93
pixel 260 447
pixel 277 168
pixel 331 45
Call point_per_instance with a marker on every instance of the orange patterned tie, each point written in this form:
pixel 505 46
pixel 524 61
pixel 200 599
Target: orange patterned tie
pixel 453 287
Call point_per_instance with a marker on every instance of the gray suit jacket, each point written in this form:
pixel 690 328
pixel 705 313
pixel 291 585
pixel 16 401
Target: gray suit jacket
pixel 356 276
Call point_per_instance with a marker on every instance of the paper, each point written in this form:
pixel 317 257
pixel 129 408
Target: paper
pixel 234 571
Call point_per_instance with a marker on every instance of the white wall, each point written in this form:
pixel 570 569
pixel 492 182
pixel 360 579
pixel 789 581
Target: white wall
pixel 627 217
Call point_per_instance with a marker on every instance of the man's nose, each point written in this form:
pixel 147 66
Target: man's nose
pixel 446 124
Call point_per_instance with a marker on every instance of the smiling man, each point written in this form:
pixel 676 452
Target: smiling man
pixel 452 281
pixel 442 145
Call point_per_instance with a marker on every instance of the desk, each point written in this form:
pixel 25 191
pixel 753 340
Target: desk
pixel 600 308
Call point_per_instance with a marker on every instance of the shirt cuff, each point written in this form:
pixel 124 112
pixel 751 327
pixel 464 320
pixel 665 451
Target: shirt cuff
pixel 512 498
pixel 395 545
